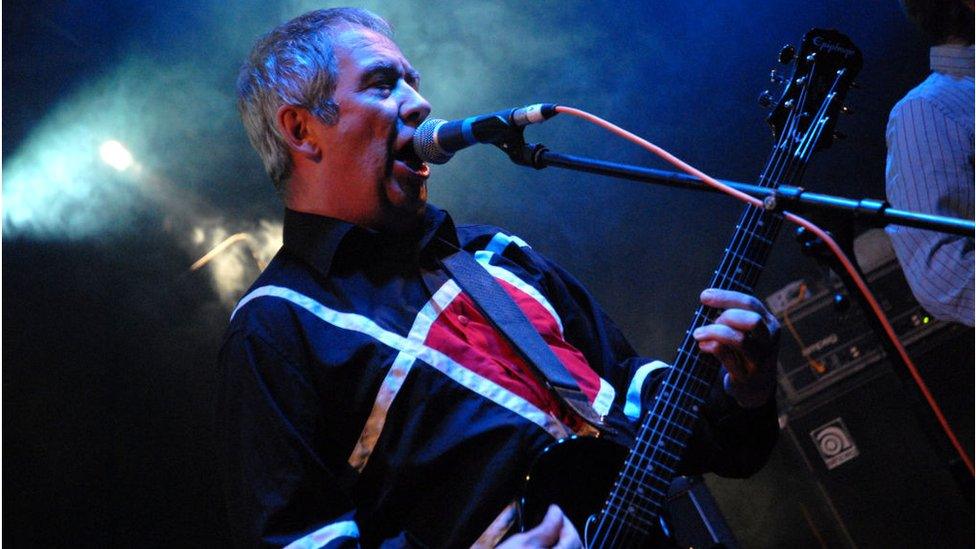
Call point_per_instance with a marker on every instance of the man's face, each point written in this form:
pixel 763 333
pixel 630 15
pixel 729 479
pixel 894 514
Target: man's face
pixel 379 107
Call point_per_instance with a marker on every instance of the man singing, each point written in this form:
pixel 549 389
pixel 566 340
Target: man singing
pixel 365 400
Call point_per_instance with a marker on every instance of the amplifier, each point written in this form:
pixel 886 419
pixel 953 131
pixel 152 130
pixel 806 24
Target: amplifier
pixel 873 459
pixel 855 465
pixel 822 343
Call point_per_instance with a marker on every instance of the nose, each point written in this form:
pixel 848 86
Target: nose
pixel 413 107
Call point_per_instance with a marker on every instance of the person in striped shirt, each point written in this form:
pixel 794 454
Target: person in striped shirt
pixel 930 162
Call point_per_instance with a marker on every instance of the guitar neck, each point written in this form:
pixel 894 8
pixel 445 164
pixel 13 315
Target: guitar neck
pixel 802 122
pixel 641 490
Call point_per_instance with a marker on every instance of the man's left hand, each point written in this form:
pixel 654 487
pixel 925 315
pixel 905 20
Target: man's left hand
pixel 744 338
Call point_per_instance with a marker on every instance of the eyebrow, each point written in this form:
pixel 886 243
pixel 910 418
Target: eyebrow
pixel 386 67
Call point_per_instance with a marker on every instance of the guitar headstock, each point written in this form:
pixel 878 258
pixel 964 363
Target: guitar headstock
pixel 823 70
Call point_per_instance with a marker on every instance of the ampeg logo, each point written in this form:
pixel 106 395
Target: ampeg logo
pixel 834 442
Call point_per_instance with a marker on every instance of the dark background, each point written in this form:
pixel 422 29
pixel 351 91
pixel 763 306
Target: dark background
pixel 109 339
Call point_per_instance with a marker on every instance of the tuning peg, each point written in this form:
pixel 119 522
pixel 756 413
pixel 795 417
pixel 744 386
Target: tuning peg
pixel 766 99
pixel 775 77
pixel 787 53
pixel 847 109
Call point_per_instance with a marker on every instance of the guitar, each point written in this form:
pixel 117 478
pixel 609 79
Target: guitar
pixel 612 494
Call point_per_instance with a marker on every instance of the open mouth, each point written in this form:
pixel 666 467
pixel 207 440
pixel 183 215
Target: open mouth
pixel 407 156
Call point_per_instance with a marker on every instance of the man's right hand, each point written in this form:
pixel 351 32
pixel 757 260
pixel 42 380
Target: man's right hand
pixel 555 531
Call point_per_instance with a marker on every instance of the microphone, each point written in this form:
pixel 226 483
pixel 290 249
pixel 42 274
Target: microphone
pixel 435 141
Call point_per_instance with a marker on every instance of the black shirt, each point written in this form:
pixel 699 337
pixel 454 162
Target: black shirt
pixel 365 398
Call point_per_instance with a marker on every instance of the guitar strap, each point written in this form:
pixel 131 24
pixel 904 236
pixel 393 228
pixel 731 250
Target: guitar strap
pixel 495 303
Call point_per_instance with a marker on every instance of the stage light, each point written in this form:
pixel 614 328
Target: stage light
pixel 116 155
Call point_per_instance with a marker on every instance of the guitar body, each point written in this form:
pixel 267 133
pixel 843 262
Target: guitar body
pixel 575 473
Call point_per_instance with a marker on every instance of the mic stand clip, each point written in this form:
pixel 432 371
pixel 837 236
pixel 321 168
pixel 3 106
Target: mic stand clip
pixel 513 144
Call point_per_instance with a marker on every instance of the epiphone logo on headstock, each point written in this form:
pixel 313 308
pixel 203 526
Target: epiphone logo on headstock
pixel 824 45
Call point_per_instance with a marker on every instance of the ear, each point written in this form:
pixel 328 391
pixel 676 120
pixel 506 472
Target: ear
pixel 294 124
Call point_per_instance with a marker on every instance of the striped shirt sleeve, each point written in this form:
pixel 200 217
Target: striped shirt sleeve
pixel 930 170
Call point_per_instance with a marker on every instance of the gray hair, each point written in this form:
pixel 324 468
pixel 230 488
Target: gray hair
pixel 294 64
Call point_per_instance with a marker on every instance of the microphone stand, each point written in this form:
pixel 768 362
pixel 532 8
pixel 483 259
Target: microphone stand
pixel 871 212
pixel 841 213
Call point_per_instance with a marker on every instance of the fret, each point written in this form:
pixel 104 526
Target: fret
pixel 667 438
pixel 648 472
pixel 727 282
pixel 665 462
pixel 689 411
pixel 664 440
pixel 634 486
pixel 743 259
pixel 668 390
pixel 753 235
pixel 634 516
pixel 662 425
pixel 660 448
pixel 679 426
pixel 663 409
pixel 742 272
pixel 656 445
pixel 646 502
pixel 697 383
pixel 744 242
pixel 648 468
pixel 685 355
pixel 690 353
pixel 762 228
pixel 687 378
pixel 619 528
pixel 608 537
pixel 755 250
pixel 705 315
pixel 639 491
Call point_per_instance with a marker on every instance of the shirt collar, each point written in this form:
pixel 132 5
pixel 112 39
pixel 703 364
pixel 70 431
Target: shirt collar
pixel 317 239
pixel 951 59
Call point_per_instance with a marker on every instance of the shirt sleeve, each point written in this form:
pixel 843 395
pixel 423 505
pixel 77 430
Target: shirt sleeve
pixel 930 170
pixel 280 491
pixel 729 440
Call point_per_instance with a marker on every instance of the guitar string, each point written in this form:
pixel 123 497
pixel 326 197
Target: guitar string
pixel 757 222
pixel 664 432
pixel 681 382
pixel 817 131
pixel 736 253
pixel 698 319
pixel 744 238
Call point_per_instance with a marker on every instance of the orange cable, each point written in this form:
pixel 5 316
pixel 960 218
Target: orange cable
pixel 218 249
pixel 834 247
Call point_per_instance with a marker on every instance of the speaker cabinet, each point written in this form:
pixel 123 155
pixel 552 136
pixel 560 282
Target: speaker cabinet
pixel 879 472
pixel 859 465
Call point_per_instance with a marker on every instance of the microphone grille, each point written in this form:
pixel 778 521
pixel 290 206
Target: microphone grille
pixel 425 145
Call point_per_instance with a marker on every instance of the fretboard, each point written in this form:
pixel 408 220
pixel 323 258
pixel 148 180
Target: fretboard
pixel 634 504
pixel 802 121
